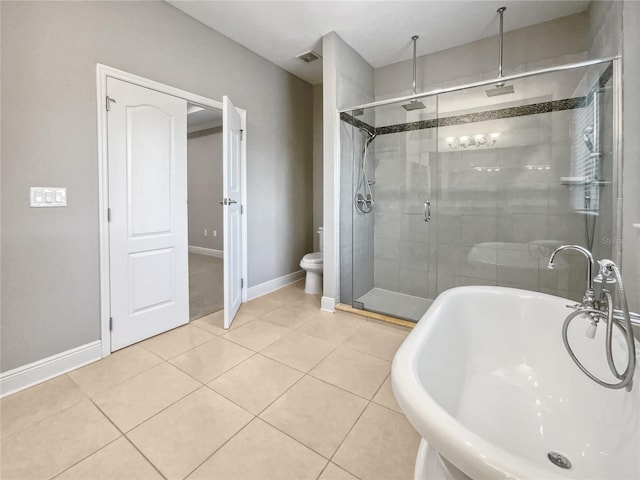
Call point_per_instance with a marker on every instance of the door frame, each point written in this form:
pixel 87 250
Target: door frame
pixel 102 72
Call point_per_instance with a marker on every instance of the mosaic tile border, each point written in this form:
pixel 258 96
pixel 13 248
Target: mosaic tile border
pixel 509 112
pixel 351 120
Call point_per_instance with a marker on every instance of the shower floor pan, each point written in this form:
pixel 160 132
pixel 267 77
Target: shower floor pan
pixel 395 304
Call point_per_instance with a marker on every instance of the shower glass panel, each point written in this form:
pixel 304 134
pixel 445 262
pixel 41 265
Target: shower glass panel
pixel 477 189
pixel 392 242
pixel 521 174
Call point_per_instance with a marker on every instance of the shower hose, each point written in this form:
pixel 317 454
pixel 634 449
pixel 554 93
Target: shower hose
pixel 607 267
pixel 364 195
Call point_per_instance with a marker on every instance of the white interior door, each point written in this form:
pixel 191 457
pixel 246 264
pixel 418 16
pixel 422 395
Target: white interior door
pixel 149 276
pixel 232 216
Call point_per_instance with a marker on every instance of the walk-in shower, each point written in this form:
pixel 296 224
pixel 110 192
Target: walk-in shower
pixel 477 189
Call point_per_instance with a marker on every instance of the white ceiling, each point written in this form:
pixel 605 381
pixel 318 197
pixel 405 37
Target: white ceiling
pixel 199 118
pixel 379 30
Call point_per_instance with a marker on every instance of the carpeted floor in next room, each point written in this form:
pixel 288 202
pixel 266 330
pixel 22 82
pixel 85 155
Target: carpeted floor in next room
pixel 206 292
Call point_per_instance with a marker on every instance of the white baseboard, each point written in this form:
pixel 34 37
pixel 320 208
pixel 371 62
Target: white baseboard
pixel 33 373
pixel 328 304
pixel 210 252
pixel 273 285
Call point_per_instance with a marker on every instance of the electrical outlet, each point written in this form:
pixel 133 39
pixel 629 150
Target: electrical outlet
pixel 206 232
pixel 215 233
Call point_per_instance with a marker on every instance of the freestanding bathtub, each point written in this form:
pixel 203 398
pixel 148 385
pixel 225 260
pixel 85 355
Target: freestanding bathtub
pixel 485 379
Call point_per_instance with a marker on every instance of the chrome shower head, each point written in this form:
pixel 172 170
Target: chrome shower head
pixel 499 89
pixel 413 105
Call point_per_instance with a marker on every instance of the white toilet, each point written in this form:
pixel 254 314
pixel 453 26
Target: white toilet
pixel 312 263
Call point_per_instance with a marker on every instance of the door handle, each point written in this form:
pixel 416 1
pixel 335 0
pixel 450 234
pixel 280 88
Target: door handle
pixel 227 201
pixel 427 211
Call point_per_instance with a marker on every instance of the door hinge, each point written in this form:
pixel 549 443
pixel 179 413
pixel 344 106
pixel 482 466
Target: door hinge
pixel 241 135
pixel 108 101
pixel 108 214
pixel 241 209
pixel 242 283
pixel 111 324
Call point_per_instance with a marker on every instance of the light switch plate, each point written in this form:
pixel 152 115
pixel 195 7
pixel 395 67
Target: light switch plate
pixel 48 197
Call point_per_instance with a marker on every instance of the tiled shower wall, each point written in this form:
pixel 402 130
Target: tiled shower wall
pixel 502 210
pixel 498 212
pixel 404 242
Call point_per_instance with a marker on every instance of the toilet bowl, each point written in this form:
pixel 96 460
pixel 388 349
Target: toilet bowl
pixel 312 264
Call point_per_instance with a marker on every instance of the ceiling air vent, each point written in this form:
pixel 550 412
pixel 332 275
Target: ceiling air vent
pixel 308 57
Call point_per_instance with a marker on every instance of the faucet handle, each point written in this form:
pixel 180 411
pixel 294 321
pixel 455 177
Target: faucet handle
pixel 604 274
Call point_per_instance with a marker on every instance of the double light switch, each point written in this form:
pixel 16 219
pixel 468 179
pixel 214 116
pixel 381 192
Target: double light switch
pixel 48 197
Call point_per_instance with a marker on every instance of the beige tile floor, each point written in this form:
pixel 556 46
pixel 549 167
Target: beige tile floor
pixel 288 392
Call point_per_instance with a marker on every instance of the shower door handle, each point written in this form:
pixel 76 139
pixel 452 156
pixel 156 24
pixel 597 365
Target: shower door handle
pixel 427 211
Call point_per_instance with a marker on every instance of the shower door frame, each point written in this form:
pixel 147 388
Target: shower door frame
pixel 616 62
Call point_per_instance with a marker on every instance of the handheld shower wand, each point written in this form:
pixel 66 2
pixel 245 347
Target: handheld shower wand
pixel 364 195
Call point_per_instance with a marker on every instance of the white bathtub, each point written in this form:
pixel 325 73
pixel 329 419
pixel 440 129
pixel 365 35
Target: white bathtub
pixel 485 379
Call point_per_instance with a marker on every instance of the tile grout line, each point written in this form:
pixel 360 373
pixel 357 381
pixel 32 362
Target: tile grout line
pixel 304 374
pixel 124 434
pixel 323 469
pixel 299 441
pixel 121 381
pixel 221 373
pixel 85 396
pixel 89 455
pixel 183 352
pixel 159 411
pixel 56 413
pixel 345 438
pixel 219 448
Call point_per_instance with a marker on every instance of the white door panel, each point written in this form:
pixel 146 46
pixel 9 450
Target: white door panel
pixel 147 134
pixel 232 221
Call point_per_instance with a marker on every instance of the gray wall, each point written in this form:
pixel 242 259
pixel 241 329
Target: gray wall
pixel 549 43
pixel 204 177
pixel 50 268
pixel 317 164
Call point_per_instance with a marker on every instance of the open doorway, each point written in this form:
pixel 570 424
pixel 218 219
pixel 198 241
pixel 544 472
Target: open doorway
pixel 143 214
pixel 204 192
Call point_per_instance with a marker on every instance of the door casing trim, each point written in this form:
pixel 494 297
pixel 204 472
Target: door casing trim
pixel 102 73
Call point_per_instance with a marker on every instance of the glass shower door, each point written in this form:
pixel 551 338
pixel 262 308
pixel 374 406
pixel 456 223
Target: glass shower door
pixel 524 170
pixel 394 271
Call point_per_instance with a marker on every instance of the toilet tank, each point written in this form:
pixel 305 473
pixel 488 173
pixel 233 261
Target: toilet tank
pixel 320 238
